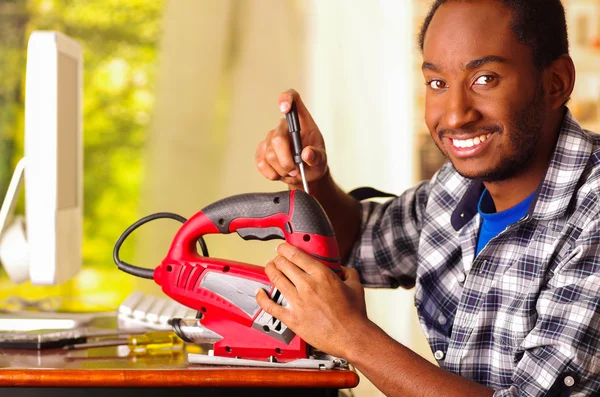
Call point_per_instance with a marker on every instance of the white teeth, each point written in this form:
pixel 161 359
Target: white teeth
pixel 461 143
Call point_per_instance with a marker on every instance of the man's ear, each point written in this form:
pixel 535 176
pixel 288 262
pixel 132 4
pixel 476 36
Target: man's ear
pixel 561 80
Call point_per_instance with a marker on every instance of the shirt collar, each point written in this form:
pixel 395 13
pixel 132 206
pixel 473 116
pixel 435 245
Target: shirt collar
pixel 571 154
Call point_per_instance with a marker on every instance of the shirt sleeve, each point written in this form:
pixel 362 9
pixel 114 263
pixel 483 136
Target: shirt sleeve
pixel 385 254
pixel 561 353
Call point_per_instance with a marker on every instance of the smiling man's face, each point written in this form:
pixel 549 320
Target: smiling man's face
pixel 485 102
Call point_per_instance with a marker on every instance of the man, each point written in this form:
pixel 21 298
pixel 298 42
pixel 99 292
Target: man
pixel 503 244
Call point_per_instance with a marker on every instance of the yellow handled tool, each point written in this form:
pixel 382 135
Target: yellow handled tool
pixel 147 342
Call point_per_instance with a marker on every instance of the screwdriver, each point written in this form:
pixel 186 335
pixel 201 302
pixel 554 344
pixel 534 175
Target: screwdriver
pixel 293 123
pixel 150 341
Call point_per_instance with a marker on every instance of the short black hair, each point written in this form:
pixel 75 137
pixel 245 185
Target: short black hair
pixel 539 24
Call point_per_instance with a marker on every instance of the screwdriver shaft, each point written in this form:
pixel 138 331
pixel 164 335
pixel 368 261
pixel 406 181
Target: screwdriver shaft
pixel 301 165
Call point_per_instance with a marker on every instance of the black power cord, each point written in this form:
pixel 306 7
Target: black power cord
pixel 140 271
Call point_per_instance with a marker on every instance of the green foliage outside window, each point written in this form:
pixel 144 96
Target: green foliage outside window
pixel 120 41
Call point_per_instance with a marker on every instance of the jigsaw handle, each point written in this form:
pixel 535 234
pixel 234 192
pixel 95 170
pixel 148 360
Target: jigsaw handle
pixel 294 210
pixel 293 216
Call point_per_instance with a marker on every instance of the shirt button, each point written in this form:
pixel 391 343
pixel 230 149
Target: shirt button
pixel 569 381
pixel 482 267
pixel 439 355
pixel 461 277
pixel 442 320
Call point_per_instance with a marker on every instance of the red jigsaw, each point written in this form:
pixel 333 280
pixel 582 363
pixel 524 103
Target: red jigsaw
pixel 223 291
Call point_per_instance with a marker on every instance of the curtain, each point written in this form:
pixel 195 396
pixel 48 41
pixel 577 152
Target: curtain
pixel 222 67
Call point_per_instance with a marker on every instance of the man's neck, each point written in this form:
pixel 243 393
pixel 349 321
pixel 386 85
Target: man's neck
pixel 508 193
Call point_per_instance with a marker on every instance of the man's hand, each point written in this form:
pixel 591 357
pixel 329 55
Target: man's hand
pixel 275 161
pixel 326 310
pixel 329 313
pixel 274 154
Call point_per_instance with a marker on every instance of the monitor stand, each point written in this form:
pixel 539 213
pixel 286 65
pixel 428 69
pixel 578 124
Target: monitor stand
pixel 14 250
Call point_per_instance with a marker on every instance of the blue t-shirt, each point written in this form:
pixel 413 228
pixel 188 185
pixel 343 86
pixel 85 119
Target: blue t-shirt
pixel 495 222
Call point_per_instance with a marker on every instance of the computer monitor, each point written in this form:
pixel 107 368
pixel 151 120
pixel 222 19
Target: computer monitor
pixel 50 243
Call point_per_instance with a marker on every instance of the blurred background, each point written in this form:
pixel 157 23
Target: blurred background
pixel 177 95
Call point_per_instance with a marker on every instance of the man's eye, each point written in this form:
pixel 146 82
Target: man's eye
pixel 484 80
pixel 437 84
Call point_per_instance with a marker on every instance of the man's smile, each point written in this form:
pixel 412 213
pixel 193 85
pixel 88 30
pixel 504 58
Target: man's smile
pixel 464 143
pixel 468 147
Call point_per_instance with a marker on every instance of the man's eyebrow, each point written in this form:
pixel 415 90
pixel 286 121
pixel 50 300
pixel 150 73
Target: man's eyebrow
pixel 430 66
pixel 479 62
pixel 474 64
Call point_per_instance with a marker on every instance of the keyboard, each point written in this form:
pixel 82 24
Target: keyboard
pixel 148 311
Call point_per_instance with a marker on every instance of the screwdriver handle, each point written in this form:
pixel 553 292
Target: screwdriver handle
pixel 154 340
pixel 293 123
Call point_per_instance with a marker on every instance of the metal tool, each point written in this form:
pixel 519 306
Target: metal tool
pixel 50 339
pixel 223 291
pixel 293 122
pixel 147 342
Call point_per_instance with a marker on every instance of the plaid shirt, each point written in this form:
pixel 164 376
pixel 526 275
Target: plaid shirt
pixel 523 316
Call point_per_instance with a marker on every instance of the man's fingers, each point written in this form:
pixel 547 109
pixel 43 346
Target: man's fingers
pixel 285 103
pixel 282 149
pixel 268 305
pixel 312 139
pixel 300 258
pixel 263 165
pixel 281 281
pixel 296 275
pixel 273 161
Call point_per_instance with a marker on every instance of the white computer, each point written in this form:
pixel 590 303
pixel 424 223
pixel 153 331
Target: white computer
pixel 45 245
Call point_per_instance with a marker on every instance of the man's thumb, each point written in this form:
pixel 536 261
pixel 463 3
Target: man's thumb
pixel 314 157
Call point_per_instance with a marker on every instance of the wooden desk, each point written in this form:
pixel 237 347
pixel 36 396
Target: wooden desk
pixel 69 373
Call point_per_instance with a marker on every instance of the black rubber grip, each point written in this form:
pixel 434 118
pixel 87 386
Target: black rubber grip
pixel 249 205
pixel 309 216
pixel 264 234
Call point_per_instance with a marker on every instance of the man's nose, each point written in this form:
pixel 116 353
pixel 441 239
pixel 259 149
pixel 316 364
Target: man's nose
pixel 459 109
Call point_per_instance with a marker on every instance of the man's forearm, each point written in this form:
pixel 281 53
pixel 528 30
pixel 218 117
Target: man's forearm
pixel 343 211
pixel 397 371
